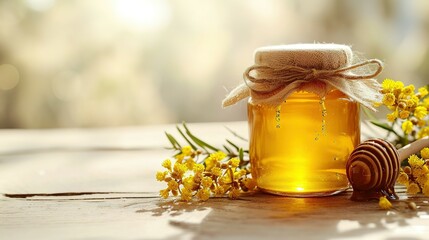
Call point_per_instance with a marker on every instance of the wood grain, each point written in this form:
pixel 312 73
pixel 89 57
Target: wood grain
pixel 99 184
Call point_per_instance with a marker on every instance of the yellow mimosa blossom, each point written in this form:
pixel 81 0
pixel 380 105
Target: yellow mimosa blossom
pixel 413 188
pixel 402 178
pixel 384 203
pixel 190 163
pixel 408 90
pixel 420 112
pixel 167 164
pixel 160 176
pixel 392 116
pixel 187 150
pixel 421 123
pixel 425 153
pixel 186 194
pixel 425 189
pixel 188 182
pixel 164 193
pixel 423 91
pixel 390 85
pixel 206 182
pixel 219 190
pixel 388 99
pixel 198 167
pixel 234 162
pixel 422 179
pixel 216 171
pixel 203 194
pixel 407 126
pixel 234 193
pixel 424 132
pixel 415 161
pixel 173 185
pixel 404 114
pixel 249 183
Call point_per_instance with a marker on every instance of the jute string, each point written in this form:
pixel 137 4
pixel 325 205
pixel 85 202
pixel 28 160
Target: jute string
pixel 272 86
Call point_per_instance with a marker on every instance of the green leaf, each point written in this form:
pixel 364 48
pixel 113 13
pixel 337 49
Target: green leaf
pixel 241 154
pixel 186 139
pixel 198 141
pixel 232 144
pixel 382 125
pixel 227 149
pixel 386 127
pixel 173 141
pixel 236 135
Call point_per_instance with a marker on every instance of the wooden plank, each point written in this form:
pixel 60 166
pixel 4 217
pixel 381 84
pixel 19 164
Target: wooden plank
pixel 116 168
pixel 255 216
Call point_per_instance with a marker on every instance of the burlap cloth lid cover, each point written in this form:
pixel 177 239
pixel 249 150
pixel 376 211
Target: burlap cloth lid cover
pixel 281 70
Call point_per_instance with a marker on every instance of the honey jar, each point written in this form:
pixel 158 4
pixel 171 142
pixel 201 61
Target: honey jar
pixel 304 116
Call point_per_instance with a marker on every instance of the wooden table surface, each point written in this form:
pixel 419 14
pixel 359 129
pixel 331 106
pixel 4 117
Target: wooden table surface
pixel 100 184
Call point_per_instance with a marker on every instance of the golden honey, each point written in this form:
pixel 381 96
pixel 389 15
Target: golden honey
pixel 301 147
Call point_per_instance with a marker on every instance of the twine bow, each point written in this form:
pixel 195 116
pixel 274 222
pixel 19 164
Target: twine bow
pixel 273 85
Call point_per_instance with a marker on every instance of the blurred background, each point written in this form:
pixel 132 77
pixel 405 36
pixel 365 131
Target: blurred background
pixel 99 63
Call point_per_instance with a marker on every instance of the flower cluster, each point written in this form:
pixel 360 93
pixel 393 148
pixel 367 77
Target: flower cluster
pixel 216 176
pixel 408 107
pixel 416 176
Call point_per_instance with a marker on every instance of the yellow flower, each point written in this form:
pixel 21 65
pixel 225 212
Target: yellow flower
pixel 187 150
pixel 408 90
pixel 180 169
pixel 425 169
pixel 216 171
pixel 388 99
pixel 219 155
pixel 420 112
pixel 422 179
pixel 391 85
pixel 198 168
pixel 167 164
pixel 160 176
pixel 407 126
pixel 415 162
pixel 186 194
pixel 173 185
pixel 402 178
pixel 421 123
pixel 426 189
pixel 203 194
pixel 249 183
pixel 164 193
pixel 413 101
pixel 413 188
pixel 423 91
pixel 425 153
pixel 234 193
pixel 384 203
pixel 234 162
pixel 210 163
pixel 219 190
pixel 206 182
pixel 404 114
pixel 190 163
pixel 188 182
pixel 423 132
pixel 392 116
pixel 239 174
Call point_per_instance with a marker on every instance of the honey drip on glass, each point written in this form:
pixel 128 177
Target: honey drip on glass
pixel 289 160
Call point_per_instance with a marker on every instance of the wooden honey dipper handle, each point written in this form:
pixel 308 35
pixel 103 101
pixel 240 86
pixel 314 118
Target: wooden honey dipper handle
pixel 373 167
pixel 413 148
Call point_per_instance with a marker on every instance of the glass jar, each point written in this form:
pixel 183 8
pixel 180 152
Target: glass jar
pixel 300 148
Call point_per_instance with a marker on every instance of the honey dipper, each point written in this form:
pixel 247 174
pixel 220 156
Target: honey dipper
pixel 373 167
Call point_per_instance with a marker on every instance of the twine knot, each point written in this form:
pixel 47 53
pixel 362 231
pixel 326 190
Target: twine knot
pixel 273 85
